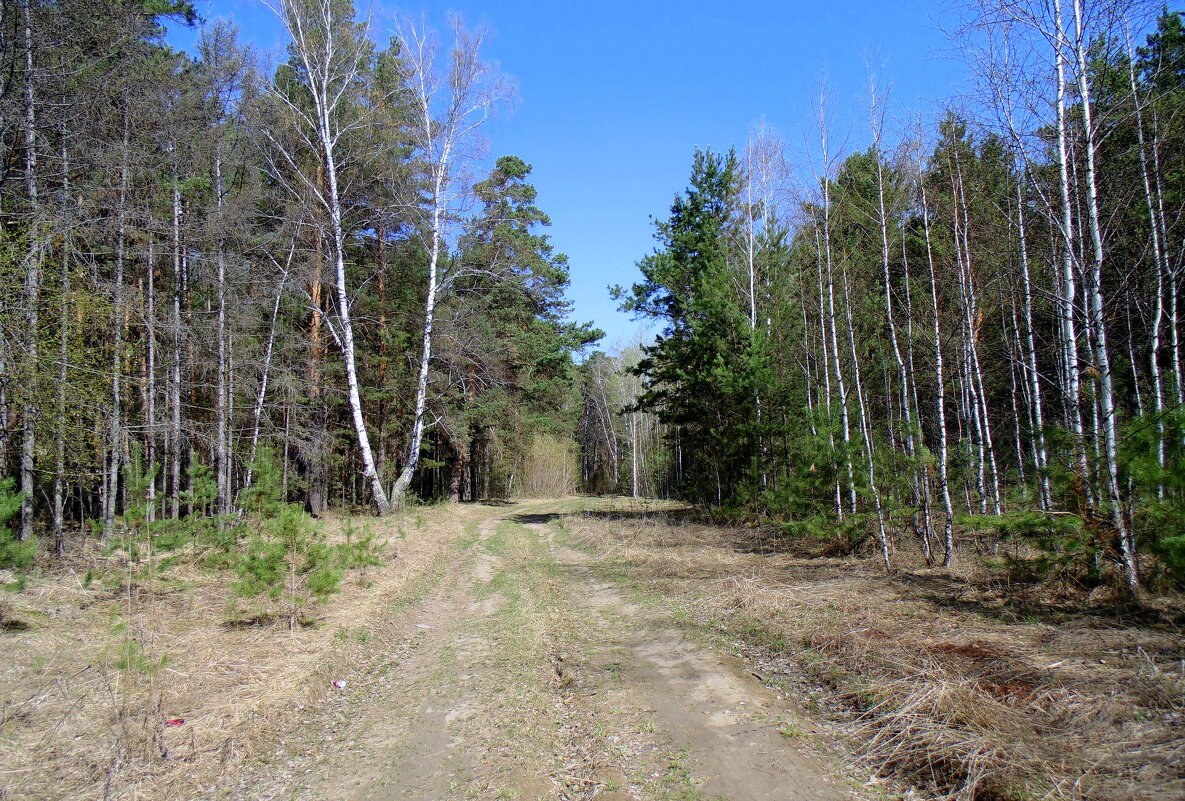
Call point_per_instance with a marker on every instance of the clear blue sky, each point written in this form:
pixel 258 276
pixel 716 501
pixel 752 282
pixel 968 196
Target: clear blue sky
pixel 614 97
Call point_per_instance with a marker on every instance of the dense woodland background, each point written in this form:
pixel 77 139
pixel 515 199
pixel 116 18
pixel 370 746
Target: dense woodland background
pixel 972 324
pixel 211 264
pixel 205 258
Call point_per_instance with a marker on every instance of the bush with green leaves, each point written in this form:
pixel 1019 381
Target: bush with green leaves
pixel 1068 545
pixel 1158 488
pixel 146 537
pixel 14 554
pixel 287 561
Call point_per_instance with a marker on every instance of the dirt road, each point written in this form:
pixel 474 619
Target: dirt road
pixel 522 677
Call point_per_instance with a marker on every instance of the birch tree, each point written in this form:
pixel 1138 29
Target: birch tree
pixel 450 108
pixel 333 55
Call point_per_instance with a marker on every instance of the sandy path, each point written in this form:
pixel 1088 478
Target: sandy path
pixel 522 677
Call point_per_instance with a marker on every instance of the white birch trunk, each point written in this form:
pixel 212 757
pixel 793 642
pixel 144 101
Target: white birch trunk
pixel 1071 388
pixel 332 63
pixel 832 325
pixel 150 385
pixel 948 539
pixel 417 434
pixel 175 455
pixel 115 420
pixel 1101 356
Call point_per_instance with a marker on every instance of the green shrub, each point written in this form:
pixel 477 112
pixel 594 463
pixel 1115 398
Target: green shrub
pixel 14 554
pixel 287 560
pixel 1070 549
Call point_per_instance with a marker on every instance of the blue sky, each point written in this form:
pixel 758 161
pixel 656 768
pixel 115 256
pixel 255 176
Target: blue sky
pixel 614 97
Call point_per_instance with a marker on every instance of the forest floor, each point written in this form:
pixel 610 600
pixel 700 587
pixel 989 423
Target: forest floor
pixel 588 648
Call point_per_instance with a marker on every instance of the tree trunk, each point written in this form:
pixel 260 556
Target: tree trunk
pixel 115 420
pixel 948 539
pixel 1071 384
pixel 32 293
pixel 1101 356
pixel 832 325
pixel 221 456
pixel 59 472
pixel 440 172
pixel 264 375
pixel 150 386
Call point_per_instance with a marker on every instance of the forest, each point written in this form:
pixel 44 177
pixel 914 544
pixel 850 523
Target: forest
pixel 971 324
pixel 314 483
pixel 205 262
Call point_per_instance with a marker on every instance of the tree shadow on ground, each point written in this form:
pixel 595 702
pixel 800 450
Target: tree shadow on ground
pixel 1036 603
pixel 991 594
pixel 535 518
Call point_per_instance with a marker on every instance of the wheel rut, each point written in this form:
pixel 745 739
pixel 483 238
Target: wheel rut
pixel 523 676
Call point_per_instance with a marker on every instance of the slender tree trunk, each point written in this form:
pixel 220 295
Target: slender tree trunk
pixel 32 292
pixel 1032 372
pixel 1175 331
pixel 417 434
pixel 826 360
pixel 751 247
pixel 347 329
pixel 315 458
pixel 150 385
pixel 903 374
pixel 264 376
pixel 634 455
pixel 59 471
pixel 940 396
pixel 865 430
pixel 331 51
pixel 221 456
pixel 833 327
pixel 1101 356
pixel 1159 253
pixel 175 435
pixel 925 527
pixel 1071 389
pixel 1014 359
pixel 115 420
pixel 384 356
pixel 973 322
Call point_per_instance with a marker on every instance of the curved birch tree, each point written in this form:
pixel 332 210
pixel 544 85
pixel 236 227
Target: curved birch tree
pixel 449 110
pixel 333 55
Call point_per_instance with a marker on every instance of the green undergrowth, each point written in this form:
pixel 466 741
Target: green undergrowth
pixel 280 562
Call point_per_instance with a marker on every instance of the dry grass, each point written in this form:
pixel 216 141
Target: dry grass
pixel 108 658
pixel 941 678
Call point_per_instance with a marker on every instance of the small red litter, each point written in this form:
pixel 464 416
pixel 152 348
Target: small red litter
pixel 175 722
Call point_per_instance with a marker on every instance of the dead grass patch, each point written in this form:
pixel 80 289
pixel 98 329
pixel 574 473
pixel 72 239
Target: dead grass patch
pixel 109 660
pixel 938 680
